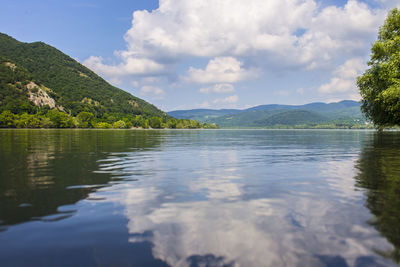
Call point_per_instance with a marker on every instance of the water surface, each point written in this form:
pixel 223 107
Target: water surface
pixel 199 198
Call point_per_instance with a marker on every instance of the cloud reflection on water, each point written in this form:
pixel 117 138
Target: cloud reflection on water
pixel 340 177
pixel 212 214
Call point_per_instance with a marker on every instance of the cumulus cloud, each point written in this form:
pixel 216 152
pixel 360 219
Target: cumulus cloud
pixel 220 70
pixel 129 66
pixel 152 91
pixel 150 80
pixel 274 34
pixel 344 79
pixel 218 89
pixel 266 29
pixel 235 223
pixel 243 41
pixel 214 27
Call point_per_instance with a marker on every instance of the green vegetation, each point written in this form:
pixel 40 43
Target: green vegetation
pixel 40 87
pixel 293 117
pixel 380 84
pixel 342 115
pixel 73 86
pixel 57 119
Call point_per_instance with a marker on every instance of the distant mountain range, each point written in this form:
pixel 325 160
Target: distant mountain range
pixel 343 114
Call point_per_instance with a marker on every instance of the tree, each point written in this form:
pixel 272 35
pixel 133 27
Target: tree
pixel 103 125
pixel 171 123
pixel 60 119
pixel 155 122
pixel 28 121
pixel 7 119
pixel 85 119
pixel 380 84
pixel 119 125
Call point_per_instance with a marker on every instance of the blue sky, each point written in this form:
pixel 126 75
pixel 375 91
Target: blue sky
pixel 180 54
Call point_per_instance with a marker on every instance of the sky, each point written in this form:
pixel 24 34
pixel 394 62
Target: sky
pixel 188 54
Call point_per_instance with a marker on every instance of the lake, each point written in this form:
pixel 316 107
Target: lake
pixel 199 198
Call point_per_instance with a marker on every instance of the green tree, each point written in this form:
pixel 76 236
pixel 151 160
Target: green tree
pixel 119 125
pixel 103 125
pixel 45 122
pixel 171 123
pixel 128 121
pixel 155 122
pixel 380 84
pixel 28 121
pixel 85 119
pixel 210 126
pixel 60 119
pixel 7 119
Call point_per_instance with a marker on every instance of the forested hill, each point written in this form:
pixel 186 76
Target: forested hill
pixel 41 87
pixel 73 87
pixel 343 114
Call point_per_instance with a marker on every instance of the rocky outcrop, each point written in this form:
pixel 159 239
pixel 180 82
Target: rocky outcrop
pixel 10 65
pixel 39 96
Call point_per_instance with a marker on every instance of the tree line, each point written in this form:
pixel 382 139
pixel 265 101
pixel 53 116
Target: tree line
pixel 54 118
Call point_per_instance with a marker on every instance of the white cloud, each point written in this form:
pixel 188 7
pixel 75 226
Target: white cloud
pixel 154 92
pixel 244 40
pixel 265 32
pixel 238 229
pixel 211 28
pixel 115 81
pixel 344 79
pixel 150 80
pixel 222 88
pixel 300 91
pixel 129 66
pixel 254 28
pixel 227 100
pixel 135 83
pixel 220 70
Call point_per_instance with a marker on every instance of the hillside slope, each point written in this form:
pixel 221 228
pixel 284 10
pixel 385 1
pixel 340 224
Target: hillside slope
pixel 292 117
pixel 73 87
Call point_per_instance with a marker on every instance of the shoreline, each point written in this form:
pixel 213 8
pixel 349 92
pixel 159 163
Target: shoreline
pixel 225 129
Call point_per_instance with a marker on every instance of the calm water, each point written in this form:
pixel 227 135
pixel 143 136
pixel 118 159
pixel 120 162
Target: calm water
pixel 199 198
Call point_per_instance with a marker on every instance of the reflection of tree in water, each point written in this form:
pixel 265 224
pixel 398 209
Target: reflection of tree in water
pixel 38 166
pixel 379 174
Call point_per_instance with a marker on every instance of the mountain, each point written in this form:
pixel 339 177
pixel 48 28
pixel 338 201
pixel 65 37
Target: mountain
pixel 67 84
pixel 345 113
pixel 202 114
pixel 292 117
pixel 41 87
